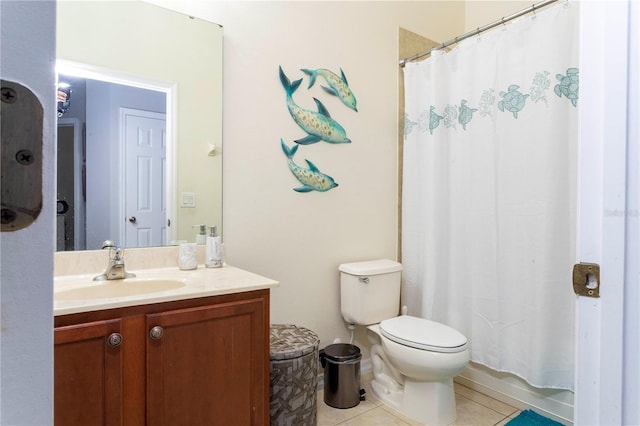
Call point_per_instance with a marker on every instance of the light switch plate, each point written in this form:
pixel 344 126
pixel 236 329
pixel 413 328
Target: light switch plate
pixel 188 199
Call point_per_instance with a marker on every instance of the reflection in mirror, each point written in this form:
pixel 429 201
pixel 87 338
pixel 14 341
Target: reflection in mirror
pixel 126 134
pixel 131 82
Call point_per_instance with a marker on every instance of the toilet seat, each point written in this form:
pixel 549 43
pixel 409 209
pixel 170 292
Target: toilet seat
pixel 420 333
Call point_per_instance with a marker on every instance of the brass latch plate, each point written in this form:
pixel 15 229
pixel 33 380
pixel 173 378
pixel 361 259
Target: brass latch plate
pixel 586 279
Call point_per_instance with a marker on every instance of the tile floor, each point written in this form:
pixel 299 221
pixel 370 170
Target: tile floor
pixel 474 409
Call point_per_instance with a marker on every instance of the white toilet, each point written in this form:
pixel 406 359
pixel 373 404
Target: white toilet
pixel 414 360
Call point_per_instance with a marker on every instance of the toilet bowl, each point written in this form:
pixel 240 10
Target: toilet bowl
pixel 414 359
pixel 422 349
pixel 416 376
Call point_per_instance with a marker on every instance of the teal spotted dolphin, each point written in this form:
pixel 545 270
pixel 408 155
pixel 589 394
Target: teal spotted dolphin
pixel 318 125
pixel 312 179
pixel 338 85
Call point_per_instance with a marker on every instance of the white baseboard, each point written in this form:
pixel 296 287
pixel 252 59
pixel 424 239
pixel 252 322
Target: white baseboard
pixel 555 404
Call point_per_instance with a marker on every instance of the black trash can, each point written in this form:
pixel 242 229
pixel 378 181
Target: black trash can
pixel 341 363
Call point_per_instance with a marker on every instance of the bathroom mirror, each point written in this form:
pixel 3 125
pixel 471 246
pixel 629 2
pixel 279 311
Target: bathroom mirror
pixel 132 65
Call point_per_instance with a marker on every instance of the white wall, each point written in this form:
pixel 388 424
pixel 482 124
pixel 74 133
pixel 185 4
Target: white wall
pixel 26 269
pixel 300 239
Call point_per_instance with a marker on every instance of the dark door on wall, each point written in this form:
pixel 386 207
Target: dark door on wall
pixel 65 231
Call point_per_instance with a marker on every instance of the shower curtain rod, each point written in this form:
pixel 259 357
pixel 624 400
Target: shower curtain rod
pixel 477 31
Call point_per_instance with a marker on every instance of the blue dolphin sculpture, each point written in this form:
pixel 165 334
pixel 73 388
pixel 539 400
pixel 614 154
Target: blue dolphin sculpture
pixel 319 126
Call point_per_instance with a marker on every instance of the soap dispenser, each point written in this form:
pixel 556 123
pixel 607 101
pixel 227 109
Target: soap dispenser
pixel 213 250
pixel 201 238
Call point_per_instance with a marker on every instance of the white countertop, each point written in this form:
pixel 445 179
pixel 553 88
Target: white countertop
pixel 200 282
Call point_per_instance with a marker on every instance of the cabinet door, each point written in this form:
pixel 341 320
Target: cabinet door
pixel 208 367
pixel 88 374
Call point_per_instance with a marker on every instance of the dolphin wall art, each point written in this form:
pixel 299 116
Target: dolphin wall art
pixel 312 179
pixel 318 125
pixel 338 86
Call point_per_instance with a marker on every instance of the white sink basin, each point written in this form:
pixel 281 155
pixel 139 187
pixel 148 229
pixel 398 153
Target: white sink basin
pixel 119 288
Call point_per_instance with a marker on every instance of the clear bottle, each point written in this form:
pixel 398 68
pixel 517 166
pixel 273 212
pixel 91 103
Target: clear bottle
pixel 213 250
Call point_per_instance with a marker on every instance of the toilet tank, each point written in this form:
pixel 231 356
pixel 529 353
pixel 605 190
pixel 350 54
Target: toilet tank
pixel 370 291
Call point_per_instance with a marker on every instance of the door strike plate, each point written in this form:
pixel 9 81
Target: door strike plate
pixel 586 279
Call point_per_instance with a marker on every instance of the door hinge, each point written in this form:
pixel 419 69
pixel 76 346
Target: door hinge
pixel 21 115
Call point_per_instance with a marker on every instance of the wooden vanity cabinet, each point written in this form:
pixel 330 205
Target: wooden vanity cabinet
pixel 191 362
pixel 88 374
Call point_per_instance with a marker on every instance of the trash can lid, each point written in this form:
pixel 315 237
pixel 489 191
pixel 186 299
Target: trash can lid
pixel 290 341
pixel 340 352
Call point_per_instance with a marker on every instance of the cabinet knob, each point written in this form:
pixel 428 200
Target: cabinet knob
pixel 114 340
pixel 156 332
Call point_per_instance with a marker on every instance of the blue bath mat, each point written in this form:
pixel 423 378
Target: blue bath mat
pixel 531 418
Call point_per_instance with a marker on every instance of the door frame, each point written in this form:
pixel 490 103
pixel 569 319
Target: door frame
pixel 607 229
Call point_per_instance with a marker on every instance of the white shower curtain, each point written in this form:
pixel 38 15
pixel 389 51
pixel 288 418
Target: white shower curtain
pixel 489 193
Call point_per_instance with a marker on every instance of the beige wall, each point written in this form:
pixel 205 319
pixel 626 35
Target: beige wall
pixel 480 12
pixel 300 239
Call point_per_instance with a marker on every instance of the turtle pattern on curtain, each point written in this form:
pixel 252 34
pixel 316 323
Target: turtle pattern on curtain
pixel 489 193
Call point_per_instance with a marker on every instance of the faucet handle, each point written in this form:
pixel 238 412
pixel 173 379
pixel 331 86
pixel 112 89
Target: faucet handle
pixel 113 247
pixel 118 253
pixel 109 244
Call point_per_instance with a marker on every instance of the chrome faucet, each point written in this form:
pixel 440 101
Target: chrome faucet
pixel 115 269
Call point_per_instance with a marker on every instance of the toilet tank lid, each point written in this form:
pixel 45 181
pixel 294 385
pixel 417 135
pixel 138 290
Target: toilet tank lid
pixel 371 267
